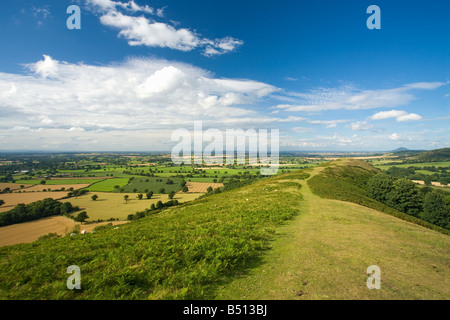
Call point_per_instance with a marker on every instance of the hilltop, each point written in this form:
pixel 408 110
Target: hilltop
pixel 434 155
pixel 293 236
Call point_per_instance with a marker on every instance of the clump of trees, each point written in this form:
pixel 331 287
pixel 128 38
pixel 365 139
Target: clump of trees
pixel 36 210
pixel 404 196
pixel 77 193
pixel 159 206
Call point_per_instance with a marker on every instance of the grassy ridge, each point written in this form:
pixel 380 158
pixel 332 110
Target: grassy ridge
pixel 181 253
pixel 346 180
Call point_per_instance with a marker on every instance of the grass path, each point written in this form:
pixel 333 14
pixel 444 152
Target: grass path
pixel 325 251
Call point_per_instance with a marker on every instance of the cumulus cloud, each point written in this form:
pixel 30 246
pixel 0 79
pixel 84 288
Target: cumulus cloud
pixel 360 126
pixel 135 95
pixel 46 68
pixel 146 31
pixel 399 115
pixel 394 136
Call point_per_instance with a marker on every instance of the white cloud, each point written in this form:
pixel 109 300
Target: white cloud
pixel 394 136
pixel 348 98
pixel 46 68
pixel 360 126
pixel 328 123
pixel 136 95
pixel 141 30
pixel 302 129
pixel 400 115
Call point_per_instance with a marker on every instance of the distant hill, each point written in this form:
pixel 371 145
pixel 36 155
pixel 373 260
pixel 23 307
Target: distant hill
pixel 437 155
pixel 400 149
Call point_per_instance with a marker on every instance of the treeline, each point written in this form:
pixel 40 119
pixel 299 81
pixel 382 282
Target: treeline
pixel 159 206
pixel 36 210
pixel 440 174
pixel 404 196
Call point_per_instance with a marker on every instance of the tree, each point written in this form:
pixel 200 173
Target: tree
pixel 405 197
pixel 162 190
pixel 159 204
pixel 209 189
pixel 126 198
pixel 2 202
pixel 82 216
pixel 434 209
pixel 139 196
pixel 43 182
pixel 427 181
pixel 185 189
pixel 149 195
pixel 171 195
pixel 380 186
pixel 94 197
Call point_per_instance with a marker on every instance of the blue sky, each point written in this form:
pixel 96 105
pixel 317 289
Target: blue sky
pixel 138 70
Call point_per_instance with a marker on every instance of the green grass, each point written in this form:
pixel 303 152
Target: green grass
pixel 181 253
pixel 420 164
pixel 108 185
pixel 324 254
pixel 346 180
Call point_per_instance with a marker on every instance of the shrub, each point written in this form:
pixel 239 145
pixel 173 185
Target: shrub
pixel 435 210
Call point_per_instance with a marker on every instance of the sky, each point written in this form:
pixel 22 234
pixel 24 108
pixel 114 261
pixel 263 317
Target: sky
pixel 138 70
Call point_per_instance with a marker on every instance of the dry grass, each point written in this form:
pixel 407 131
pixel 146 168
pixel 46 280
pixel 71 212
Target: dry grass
pixel 30 231
pixel 112 205
pixel 201 187
pixel 40 187
pixel 13 199
pixel 12 186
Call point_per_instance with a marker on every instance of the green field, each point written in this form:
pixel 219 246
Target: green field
pixel 59 181
pixel 444 164
pixel 151 184
pixel 108 185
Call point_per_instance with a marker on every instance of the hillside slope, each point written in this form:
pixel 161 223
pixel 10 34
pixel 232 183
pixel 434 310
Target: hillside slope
pixel 345 179
pixel 180 253
pixel 434 155
pixel 325 252
pixel 274 239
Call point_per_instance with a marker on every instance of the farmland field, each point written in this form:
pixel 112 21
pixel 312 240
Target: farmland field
pixel 153 184
pixel 444 164
pixel 32 230
pixel 202 187
pixel 11 186
pixel 112 205
pixel 41 187
pixel 13 199
pixel 59 181
pixel 108 184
